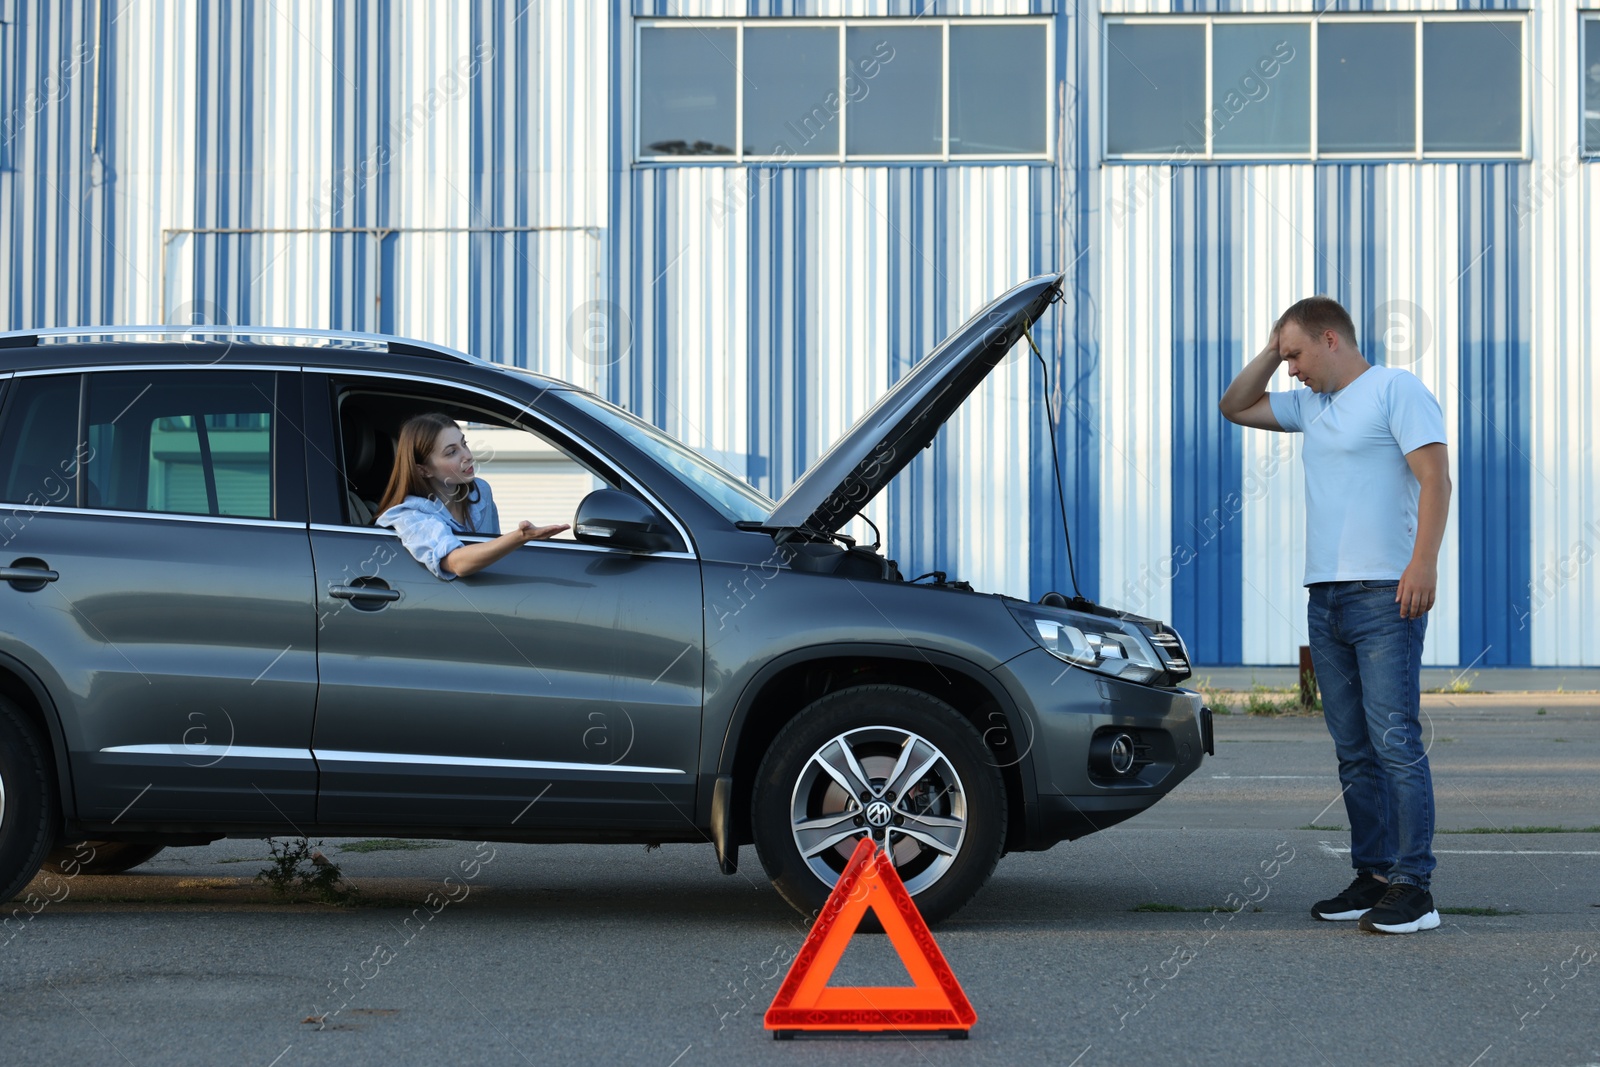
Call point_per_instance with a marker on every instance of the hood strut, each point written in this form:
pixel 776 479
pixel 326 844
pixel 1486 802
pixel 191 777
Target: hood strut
pixel 1078 599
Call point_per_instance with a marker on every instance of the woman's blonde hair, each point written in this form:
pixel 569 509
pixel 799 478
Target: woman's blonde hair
pixel 418 437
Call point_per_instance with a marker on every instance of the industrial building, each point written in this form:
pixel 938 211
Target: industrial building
pixel 745 219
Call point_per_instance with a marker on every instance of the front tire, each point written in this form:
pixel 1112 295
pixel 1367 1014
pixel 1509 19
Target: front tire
pixel 28 802
pixel 887 760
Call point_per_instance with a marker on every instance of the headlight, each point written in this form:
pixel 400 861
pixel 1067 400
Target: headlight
pixel 1093 642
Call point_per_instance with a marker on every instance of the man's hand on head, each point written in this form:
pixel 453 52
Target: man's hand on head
pixel 1245 401
pixel 1418 585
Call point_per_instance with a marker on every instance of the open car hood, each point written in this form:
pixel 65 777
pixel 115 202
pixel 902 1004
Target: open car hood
pixel 904 420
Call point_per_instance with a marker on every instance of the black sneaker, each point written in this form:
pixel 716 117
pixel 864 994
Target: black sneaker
pixel 1404 909
pixel 1353 903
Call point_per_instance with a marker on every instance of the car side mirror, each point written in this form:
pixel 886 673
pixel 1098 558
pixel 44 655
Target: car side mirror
pixel 614 519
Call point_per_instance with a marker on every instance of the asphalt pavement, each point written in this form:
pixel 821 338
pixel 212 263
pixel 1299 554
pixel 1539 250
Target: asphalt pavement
pixel 1075 956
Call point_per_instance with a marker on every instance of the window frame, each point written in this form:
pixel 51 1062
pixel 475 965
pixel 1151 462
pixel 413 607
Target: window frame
pixel 71 500
pixel 190 377
pixel 348 387
pixel 1589 153
pixel 288 499
pixel 739 158
pixel 1418 19
pixel 327 509
pixel 10 120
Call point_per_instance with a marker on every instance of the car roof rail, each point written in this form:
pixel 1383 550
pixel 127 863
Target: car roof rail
pixel 405 346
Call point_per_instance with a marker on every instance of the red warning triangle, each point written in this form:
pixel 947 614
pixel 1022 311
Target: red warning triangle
pixel 934 1000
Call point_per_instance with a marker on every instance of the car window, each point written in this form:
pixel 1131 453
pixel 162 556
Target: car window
pixel 735 498
pixel 181 442
pixel 532 477
pixel 39 448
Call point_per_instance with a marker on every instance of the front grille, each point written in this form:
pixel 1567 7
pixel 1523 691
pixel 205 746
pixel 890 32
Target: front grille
pixel 1170 646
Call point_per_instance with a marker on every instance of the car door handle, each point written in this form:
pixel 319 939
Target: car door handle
pixel 28 575
pixel 363 592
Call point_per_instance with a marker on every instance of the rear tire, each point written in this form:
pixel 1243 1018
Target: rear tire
pixel 29 807
pixel 100 857
pixel 928 787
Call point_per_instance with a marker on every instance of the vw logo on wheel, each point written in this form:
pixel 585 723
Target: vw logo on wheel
pixel 879 813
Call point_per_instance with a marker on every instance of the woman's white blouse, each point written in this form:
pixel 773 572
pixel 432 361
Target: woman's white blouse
pixel 428 530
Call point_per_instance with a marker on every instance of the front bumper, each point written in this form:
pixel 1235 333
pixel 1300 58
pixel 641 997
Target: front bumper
pixel 1068 708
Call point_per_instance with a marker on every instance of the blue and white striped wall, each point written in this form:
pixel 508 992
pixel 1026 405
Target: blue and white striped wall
pixel 462 173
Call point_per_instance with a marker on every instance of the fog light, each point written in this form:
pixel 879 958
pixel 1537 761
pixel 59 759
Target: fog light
pixel 1111 754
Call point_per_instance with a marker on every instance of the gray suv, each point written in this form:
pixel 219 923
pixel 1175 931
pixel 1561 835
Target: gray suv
pixel 202 634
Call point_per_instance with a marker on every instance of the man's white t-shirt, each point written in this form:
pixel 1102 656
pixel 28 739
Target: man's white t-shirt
pixel 1361 497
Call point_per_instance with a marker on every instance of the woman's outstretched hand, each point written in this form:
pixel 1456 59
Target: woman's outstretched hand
pixel 530 532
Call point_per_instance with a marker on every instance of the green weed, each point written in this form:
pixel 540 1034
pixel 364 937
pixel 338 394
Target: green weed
pixel 297 871
pixel 1266 700
pixel 1213 697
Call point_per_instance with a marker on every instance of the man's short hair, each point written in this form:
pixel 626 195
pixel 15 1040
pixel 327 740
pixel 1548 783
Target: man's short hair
pixel 1315 314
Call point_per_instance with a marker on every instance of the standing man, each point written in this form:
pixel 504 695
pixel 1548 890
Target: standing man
pixel 1377 497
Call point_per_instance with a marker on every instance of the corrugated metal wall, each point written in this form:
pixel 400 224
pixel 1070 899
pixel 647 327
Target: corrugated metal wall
pixel 1478 266
pixel 462 173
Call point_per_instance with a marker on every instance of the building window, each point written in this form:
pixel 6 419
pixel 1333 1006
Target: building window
pixel 775 90
pixel 10 120
pixel 901 112
pixel 792 61
pixel 1589 50
pixel 1330 87
pixel 1265 96
pixel 1472 89
pixel 690 105
pixel 1367 88
pixel 1155 87
pixel 998 90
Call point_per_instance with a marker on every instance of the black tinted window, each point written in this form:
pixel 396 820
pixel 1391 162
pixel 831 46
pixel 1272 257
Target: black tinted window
pixel 185 442
pixel 39 445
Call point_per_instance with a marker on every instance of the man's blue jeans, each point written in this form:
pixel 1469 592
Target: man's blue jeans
pixel 1367 660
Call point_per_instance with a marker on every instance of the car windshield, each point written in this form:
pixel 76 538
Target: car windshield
pixel 732 496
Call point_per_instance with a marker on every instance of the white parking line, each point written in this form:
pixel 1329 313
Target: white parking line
pixel 1335 851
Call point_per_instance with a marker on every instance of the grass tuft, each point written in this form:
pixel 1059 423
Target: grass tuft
pixel 1213 697
pixel 1268 700
pixel 297 871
